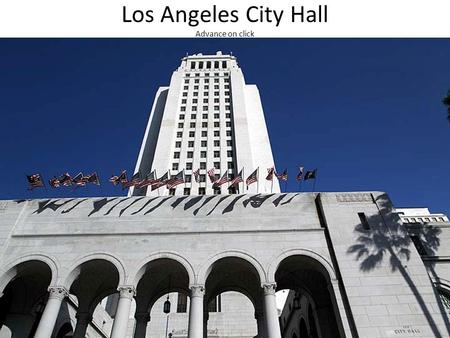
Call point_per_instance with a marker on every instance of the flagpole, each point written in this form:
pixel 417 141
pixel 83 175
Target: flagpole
pixel 271 184
pixel 315 179
pixel 257 180
pixel 243 180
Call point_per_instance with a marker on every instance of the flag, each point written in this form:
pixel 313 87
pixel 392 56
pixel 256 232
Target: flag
pixel 196 174
pixel 270 172
pixel 177 179
pixel 148 180
pixel 283 176
pixel 93 178
pixel 211 174
pixel 299 176
pixel 54 182
pixel 310 174
pixel 35 181
pixel 79 180
pixel 135 180
pixel 122 178
pixel 235 181
pixel 65 180
pixel 158 183
pixel 252 178
pixel 222 180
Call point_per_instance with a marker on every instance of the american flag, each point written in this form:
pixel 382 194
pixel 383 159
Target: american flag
pixel 54 182
pixel 158 183
pixel 65 180
pixel 35 181
pixel 238 179
pixel 299 176
pixel 79 180
pixel 196 174
pixel 119 179
pixel 310 174
pixel 148 180
pixel 252 178
pixel 270 172
pixel 177 179
pixel 135 180
pixel 211 174
pixel 222 180
pixel 283 176
pixel 93 178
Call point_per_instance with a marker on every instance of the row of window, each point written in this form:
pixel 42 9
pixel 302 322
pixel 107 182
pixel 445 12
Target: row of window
pixel 202 191
pixel 208 64
pixel 185 94
pixel 203 143
pixel 230 165
pixel 215 305
pixel 204 124
pixel 202 177
pixel 190 154
pixel 206 100
pixel 205 108
pixel 206 80
pixel 205 74
pixel 205 116
pixel 422 219
pixel 204 133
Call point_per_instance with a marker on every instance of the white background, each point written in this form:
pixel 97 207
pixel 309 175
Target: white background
pixel 103 18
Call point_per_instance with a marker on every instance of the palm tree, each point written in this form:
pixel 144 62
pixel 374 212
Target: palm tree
pixel 446 102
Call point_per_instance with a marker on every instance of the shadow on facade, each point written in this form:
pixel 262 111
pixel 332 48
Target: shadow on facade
pixel 388 239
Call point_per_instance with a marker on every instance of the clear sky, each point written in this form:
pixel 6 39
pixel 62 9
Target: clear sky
pixel 367 113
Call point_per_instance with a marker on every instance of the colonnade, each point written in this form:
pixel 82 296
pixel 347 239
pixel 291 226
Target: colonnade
pixel 267 320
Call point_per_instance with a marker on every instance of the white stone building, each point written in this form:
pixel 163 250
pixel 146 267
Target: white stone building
pixel 353 267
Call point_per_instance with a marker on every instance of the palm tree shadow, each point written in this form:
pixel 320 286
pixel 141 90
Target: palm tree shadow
pixel 384 237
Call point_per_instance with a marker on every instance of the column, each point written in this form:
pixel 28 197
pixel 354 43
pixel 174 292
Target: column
pixel 271 312
pixel 51 311
pixel 195 329
pixel 259 316
pixel 83 320
pixel 126 294
pixel 142 319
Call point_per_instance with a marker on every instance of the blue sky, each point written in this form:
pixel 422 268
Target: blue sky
pixel 366 112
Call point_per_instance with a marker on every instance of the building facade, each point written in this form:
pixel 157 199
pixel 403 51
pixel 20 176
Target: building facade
pixel 105 267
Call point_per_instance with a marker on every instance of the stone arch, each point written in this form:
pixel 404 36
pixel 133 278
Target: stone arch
pixel 74 269
pixel 208 265
pixel 275 263
pixel 9 271
pixel 139 270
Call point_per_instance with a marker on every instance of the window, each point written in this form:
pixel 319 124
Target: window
pixel 208 65
pixel 225 74
pixel 227 87
pixel 227 93
pixel 192 125
pixel 204 116
pixel 192 64
pixel 194 100
pixel 202 191
pixel 230 165
pixel 228 133
pixel 190 144
pixel 184 94
pixel 172 192
pixel 204 124
pixel 195 93
pixel 216 177
pixel 227 107
pixel 202 178
pixel 363 220
pixel 179 133
pixel 205 108
pixel 195 87
pixel 174 166
pixel 203 154
pixel 216 74
pixel 182 117
pixel 216 100
pixel 205 100
pixel 192 134
pixel 186 81
pixel 176 154
pixel 216 80
pixel 215 87
pixel 224 64
pixel 196 80
pixel 419 245
pixel 182 303
pixel 183 101
pixel 216 115
pixel 229 143
pixel 188 75
pixel 216 133
pixel 202 165
pixel 188 165
pixel 216 125
pixel 190 154
pixel 204 133
pixel 216 93
pixel 215 304
pixel 217 191
pixel 197 74
pixel 228 115
pixel 230 153
pixel 193 116
pixel 187 178
pixel 186 191
pixel 217 165
pixel 180 125
pixel 216 143
pixel 206 80
pixel 206 88
pixel 183 108
pixel 203 143
pixel 232 190
pixel 178 144
pixel 216 154
pixel 216 108
pixel 228 124
pixel 200 65
pixel 227 80
pixel 205 93
pixel 185 87
pixel 216 66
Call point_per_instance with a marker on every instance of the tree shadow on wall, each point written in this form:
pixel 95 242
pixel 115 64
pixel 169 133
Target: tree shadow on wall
pixel 388 239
